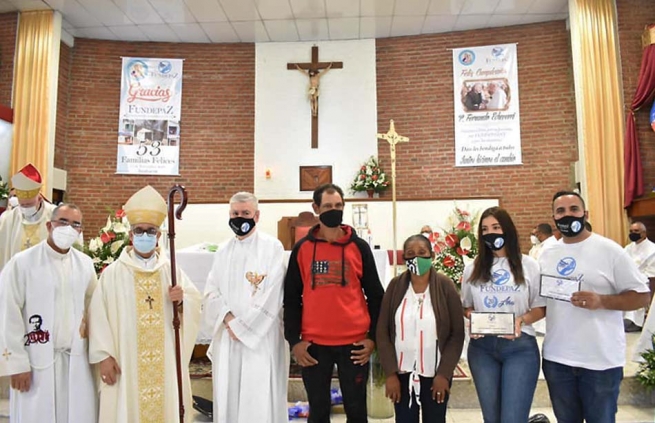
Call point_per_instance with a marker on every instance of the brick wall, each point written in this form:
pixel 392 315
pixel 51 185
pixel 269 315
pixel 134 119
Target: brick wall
pixel 415 88
pixel 217 126
pixel 8 25
pixel 63 89
pixel 633 16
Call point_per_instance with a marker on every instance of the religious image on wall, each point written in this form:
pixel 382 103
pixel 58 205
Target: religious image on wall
pixel 149 122
pixel 487 119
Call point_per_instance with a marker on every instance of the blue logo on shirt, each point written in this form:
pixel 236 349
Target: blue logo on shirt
pixel 566 266
pixel 500 277
pixel 490 302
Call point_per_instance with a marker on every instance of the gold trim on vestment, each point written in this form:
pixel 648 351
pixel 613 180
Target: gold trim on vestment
pixel 30 236
pixel 26 195
pixel 150 346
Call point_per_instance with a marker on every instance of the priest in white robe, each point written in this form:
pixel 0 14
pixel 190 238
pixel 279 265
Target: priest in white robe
pixel 131 324
pixel 24 226
pixel 242 311
pixel 642 251
pixel 44 293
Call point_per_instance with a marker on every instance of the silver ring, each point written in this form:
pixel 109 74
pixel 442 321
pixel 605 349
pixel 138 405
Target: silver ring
pixel 104 377
pixel 438 393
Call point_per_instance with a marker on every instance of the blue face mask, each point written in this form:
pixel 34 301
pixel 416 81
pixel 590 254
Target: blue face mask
pixel 144 243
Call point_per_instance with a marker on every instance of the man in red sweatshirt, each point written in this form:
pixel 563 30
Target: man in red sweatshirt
pixel 332 296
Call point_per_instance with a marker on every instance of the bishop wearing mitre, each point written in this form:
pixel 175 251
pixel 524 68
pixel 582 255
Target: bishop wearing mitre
pixel 24 226
pixel 131 334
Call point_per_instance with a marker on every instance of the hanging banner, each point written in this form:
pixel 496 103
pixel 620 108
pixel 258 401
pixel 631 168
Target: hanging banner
pixel 487 121
pixel 149 117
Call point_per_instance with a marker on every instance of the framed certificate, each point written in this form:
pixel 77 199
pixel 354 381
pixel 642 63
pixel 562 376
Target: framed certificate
pixel 558 287
pixel 486 323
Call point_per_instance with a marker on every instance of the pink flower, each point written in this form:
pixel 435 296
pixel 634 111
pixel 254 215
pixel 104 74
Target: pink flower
pixel 462 252
pixel 105 238
pixel 449 261
pixel 452 240
pixel 120 214
pixel 464 226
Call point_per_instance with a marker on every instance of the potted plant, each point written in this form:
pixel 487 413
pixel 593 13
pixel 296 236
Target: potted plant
pixel 378 406
pixel 370 178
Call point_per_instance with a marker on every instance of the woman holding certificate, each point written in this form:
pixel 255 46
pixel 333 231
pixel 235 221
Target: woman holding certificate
pixel 420 336
pixel 500 294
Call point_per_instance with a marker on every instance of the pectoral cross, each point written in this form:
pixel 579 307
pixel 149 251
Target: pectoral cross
pixel 149 300
pixel 6 354
pixel 28 244
pixel 314 70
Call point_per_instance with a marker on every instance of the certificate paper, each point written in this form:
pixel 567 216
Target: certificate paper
pixel 483 323
pixel 558 287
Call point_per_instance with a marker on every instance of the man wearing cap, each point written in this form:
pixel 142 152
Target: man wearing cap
pixel 131 333
pixel 24 226
pixel 243 304
pixel 44 293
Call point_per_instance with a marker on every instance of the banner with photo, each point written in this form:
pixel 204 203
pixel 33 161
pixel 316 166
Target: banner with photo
pixel 487 119
pixel 149 117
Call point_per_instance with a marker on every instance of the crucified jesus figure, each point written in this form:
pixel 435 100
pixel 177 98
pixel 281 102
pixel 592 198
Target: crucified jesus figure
pixel 313 92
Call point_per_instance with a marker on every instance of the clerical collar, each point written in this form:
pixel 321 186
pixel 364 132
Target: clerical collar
pixel 36 216
pixel 145 262
pixel 55 254
pixel 247 240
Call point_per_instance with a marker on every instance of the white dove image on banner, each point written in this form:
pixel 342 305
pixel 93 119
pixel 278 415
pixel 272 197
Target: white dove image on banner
pixel 149 117
pixel 487 119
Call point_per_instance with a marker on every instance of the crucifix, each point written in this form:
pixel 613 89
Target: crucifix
pixel 28 244
pixel 393 138
pixel 6 354
pixel 149 300
pixel 314 70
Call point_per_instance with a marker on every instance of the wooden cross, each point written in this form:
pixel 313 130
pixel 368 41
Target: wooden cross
pixel 6 354
pixel 313 70
pixel 149 300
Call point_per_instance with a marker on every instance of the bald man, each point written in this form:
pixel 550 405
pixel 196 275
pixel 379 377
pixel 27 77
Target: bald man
pixel 642 251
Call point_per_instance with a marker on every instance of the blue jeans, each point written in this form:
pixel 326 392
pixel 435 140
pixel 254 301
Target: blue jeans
pixel 505 373
pixel 432 411
pixel 578 393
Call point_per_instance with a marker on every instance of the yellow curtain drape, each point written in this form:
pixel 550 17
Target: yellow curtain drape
pixel 594 39
pixel 32 92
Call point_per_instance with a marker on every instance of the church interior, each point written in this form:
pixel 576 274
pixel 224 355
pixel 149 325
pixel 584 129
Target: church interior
pixel 395 78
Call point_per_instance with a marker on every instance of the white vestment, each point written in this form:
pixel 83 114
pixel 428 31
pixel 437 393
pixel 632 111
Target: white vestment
pixel 250 375
pixel 131 320
pixel 644 256
pixel 18 233
pixel 43 299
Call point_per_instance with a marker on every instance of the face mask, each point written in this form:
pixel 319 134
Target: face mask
pixel 242 226
pixel 144 243
pixel 331 218
pixel 419 265
pixel 494 241
pixel 28 211
pixel 13 202
pixel 634 237
pixel 426 234
pixel 64 237
pixel 570 225
pixel 534 240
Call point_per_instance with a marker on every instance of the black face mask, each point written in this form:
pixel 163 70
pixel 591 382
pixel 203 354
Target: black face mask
pixel 331 218
pixel 570 226
pixel 494 241
pixel 634 237
pixel 242 226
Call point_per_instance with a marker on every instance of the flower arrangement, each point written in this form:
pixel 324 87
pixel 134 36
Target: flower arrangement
pixel 370 177
pixel 458 246
pixel 110 242
pixel 4 190
pixel 646 372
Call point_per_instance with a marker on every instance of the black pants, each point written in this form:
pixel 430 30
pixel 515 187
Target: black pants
pixel 433 412
pixel 352 380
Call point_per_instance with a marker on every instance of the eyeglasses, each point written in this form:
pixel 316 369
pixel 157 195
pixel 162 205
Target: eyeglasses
pixel 141 231
pixel 63 222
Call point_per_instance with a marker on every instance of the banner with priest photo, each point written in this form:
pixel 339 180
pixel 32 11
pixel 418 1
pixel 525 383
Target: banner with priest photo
pixel 487 119
pixel 149 117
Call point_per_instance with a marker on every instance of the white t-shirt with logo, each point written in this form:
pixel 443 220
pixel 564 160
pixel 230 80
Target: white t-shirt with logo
pixel 578 337
pixel 502 294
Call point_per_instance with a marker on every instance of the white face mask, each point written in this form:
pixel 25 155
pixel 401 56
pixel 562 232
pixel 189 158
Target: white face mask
pixel 534 240
pixel 64 237
pixel 426 234
pixel 13 202
pixel 28 211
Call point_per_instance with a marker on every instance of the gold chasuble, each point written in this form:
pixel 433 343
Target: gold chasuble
pixel 150 344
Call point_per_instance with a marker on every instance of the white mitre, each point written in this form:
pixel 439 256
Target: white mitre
pixel 146 206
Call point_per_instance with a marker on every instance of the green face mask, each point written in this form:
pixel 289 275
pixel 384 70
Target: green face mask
pixel 419 265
